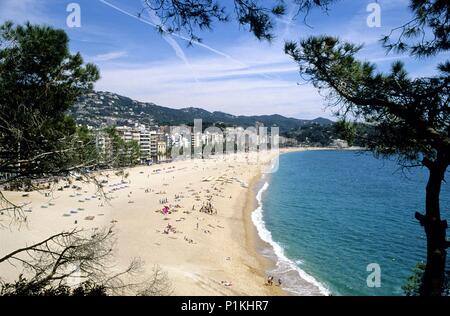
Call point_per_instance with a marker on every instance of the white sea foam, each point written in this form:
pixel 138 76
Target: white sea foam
pixel 284 264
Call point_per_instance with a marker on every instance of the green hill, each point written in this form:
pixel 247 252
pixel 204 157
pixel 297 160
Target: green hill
pixel 105 108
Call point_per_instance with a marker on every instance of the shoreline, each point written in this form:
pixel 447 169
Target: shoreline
pixel 220 252
pixel 269 262
pixel 225 247
pixel 253 240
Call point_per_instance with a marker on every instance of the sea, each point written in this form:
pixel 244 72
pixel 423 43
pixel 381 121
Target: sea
pixel 342 222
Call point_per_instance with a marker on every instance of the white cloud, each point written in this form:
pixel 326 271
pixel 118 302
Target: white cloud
pixel 222 85
pixel 21 11
pixel 109 56
pixel 169 39
pixel 247 78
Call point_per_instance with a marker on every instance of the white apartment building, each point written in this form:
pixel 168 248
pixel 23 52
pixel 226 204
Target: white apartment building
pixel 154 138
pixel 145 144
pixel 162 149
pixel 103 144
pixel 145 138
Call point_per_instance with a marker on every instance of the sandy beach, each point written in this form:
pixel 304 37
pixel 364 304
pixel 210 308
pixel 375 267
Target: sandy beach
pixel 203 254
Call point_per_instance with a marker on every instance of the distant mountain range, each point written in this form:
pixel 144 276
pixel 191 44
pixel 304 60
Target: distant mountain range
pixel 105 108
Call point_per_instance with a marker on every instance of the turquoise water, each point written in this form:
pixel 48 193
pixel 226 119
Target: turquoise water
pixel 332 213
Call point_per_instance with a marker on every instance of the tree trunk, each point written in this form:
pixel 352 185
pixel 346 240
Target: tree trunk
pixel 435 230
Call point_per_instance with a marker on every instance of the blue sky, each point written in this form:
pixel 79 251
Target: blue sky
pixel 232 72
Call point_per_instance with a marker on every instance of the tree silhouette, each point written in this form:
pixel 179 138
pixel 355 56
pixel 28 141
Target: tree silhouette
pixel 192 15
pixel 410 116
pixel 39 81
